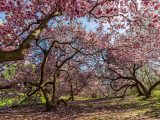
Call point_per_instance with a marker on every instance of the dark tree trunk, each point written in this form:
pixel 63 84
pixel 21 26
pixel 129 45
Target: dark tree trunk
pixel 54 102
pixel 141 86
pixel 72 92
pixel 148 94
pixel 140 93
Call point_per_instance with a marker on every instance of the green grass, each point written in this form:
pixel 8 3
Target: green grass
pixel 150 106
pixel 6 102
pixel 156 94
pixel 78 98
pixel 129 107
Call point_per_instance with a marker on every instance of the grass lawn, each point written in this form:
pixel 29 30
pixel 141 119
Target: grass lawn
pixel 129 108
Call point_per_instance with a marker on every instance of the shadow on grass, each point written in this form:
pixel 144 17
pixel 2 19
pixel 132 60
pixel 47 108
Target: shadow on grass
pixel 77 108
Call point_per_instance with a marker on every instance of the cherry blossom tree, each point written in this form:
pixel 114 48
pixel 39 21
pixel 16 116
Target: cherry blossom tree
pixel 48 34
pixel 65 45
pixel 25 20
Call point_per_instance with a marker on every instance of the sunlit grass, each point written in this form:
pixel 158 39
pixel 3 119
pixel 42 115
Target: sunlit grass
pixel 78 98
pixel 133 106
pixel 6 102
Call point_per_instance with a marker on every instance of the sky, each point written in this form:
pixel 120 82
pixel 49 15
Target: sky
pixel 2 17
pixel 89 25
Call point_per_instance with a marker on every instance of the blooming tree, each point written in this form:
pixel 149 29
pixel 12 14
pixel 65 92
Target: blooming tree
pixel 26 20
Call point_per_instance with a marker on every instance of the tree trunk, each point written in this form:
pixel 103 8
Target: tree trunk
pixel 140 93
pixel 72 92
pixel 54 102
pixel 141 86
pixel 19 54
pixel 148 94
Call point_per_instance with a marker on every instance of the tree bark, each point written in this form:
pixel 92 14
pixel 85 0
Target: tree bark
pixel 141 86
pixel 148 94
pixel 72 92
pixel 19 53
pixel 140 93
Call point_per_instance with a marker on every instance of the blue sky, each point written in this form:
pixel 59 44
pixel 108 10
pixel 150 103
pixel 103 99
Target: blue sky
pixel 89 25
pixel 2 17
